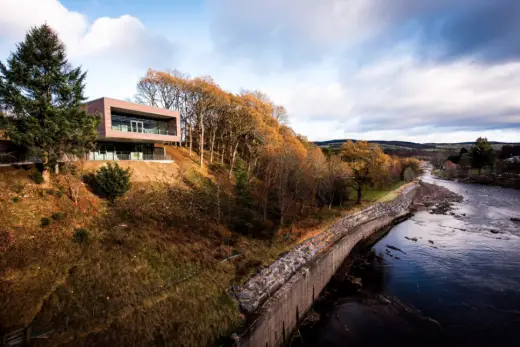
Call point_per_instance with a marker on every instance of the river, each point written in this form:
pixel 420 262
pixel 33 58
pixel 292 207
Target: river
pixel 460 269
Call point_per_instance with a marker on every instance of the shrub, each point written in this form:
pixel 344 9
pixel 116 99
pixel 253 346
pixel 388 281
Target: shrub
pixel 242 188
pixel 80 236
pixel 16 199
pixel 36 176
pixel 18 187
pixel 112 181
pixel 217 167
pixel 58 216
pixel 45 221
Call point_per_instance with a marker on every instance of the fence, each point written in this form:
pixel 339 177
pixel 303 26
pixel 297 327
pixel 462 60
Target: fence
pixel 127 156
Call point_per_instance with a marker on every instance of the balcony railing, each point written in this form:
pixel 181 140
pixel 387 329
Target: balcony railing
pixel 154 131
pixel 127 156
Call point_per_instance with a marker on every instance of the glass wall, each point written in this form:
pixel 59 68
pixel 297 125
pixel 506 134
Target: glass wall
pixel 131 123
pixel 124 151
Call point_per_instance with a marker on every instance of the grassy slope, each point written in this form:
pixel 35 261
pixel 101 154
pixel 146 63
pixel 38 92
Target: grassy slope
pixel 135 282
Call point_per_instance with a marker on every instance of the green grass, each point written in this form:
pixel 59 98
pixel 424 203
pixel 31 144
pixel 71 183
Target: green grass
pixel 383 194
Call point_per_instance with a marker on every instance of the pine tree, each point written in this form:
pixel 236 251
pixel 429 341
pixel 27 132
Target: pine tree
pixel 42 96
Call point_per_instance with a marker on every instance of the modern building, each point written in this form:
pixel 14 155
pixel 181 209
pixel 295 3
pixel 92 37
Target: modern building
pixel 130 131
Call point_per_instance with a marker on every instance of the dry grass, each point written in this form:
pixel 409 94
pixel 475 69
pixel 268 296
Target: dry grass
pixel 137 282
pixel 154 271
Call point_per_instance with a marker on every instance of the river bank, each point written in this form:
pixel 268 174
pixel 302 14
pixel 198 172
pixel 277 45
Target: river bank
pixel 447 279
pixel 501 180
pixel 286 289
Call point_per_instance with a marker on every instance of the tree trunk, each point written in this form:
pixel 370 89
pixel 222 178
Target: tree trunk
pixel 233 160
pixel 201 142
pixel 222 155
pixel 212 146
pixel 359 191
pixel 191 138
pixel 331 200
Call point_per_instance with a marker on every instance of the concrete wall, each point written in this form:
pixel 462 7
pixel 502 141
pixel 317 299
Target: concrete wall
pixel 280 313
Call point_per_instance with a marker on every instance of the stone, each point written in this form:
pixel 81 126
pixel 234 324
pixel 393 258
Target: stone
pixel 264 284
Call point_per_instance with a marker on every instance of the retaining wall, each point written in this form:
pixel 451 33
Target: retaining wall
pixel 284 306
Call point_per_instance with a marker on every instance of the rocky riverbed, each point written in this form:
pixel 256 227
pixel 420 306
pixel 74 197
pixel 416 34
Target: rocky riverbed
pixel 436 199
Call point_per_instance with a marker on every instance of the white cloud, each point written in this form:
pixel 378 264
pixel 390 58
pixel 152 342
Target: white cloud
pixel 394 94
pixel 115 51
pixel 16 16
pixel 462 94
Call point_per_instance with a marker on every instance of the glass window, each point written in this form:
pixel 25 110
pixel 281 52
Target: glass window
pixel 122 121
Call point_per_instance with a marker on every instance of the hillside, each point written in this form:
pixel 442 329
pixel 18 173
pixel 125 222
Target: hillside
pixel 411 146
pixel 155 266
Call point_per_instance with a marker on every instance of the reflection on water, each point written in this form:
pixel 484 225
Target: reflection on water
pixel 462 270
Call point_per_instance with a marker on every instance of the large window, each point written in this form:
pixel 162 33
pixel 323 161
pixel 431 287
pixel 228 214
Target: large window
pixel 125 151
pixel 131 123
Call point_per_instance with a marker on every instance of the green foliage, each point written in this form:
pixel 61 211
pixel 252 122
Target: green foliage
pixel 16 199
pixel 44 95
pixel 45 221
pixel 242 187
pixel 58 216
pixel 481 154
pixel 112 181
pixel 36 176
pixel 80 236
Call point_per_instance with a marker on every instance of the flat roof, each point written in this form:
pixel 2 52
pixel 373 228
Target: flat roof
pixel 136 108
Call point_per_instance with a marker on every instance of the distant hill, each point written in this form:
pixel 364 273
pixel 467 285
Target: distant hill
pixel 383 144
pixel 391 146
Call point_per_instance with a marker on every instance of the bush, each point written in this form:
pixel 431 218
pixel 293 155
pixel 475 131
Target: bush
pixel 112 181
pixel 16 199
pixel 58 216
pixel 45 221
pixel 36 176
pixel 80 236
pixel 18 187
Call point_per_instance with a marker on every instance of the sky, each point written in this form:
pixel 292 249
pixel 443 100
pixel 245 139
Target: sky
pixel 410 70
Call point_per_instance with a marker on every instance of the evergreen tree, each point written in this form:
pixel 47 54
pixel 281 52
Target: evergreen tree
pixel 481 154
pixel 42 96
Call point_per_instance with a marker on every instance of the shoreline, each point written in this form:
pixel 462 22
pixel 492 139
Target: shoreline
pixel 277 299
pixel 504 182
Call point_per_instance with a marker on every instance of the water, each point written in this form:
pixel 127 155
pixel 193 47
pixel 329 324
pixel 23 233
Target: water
pixel 463 271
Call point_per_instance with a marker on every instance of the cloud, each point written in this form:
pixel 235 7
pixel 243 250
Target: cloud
pixel 290 34
pixel 460 95
pixel 399 94
pixel 115 51
pixel 424 71
pixel 488 31
pixel 390 66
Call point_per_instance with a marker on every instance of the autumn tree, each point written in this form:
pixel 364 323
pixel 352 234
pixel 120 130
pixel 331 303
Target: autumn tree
pixel 481 154
pixel 334 181
pixel 43 96
pixel 368 163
